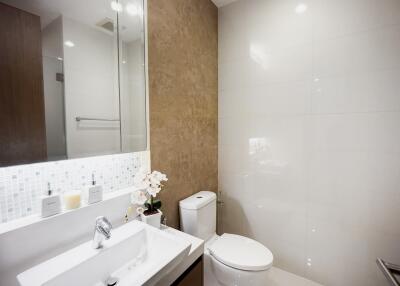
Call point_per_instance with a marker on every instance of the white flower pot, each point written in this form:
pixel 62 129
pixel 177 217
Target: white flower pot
pixel 153 220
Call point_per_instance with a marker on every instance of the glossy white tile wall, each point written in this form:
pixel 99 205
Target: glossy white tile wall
pixel 309 131
pixel 91 79
pixel 22 186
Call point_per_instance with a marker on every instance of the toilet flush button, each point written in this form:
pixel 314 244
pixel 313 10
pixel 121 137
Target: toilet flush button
pixel 198 200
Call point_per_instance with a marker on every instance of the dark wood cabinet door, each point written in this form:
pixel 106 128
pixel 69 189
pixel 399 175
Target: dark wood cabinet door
pixel 22 113
pixel 193 276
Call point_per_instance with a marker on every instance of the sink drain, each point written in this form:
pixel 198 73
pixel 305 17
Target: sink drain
pixel 112 281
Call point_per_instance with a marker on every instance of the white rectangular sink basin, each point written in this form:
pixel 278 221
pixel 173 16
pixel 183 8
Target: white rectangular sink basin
pixel 136 254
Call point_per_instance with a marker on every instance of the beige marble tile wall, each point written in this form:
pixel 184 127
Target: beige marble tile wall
pixel 309 131
pixel 183 97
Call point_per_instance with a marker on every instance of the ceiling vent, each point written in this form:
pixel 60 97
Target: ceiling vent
pixel 106 24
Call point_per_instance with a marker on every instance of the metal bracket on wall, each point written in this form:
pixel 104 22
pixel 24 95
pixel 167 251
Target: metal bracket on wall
pixel 219 200
pixel 60 77
pixel 389 270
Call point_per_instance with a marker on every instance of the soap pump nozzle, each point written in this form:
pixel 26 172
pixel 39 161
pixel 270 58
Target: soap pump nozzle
pixel 93 181
pixel 49 191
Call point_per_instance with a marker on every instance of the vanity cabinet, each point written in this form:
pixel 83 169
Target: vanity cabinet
pixel 193 276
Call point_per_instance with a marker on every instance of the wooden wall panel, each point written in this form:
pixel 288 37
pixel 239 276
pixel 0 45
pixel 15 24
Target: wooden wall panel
pixel 22 117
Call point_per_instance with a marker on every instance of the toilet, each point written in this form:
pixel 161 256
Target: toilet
pixel 229 259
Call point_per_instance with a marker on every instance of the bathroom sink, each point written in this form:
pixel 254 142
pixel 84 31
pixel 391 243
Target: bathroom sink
pixel 136 254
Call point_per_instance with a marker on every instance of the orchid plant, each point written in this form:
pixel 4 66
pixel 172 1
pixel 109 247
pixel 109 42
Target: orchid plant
pixel 149 184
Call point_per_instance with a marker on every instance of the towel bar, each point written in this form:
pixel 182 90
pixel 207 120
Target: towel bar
pixel 389 270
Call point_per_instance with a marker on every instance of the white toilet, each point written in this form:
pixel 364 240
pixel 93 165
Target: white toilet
pixel 229 259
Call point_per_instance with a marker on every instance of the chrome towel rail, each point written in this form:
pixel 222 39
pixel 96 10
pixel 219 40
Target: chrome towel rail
pixel 389 270
pixel 79 118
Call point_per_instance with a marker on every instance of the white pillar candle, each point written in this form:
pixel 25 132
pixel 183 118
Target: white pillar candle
pixel 72 200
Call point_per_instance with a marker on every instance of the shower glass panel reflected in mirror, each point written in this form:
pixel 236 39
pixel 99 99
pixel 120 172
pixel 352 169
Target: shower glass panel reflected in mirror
pixel 83 72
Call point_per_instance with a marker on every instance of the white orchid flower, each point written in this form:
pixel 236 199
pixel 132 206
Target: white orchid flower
pixel 154 182
pixel 148 182
pixel 138 197
pixel 141 180
pixel 159 176
pixel 154 190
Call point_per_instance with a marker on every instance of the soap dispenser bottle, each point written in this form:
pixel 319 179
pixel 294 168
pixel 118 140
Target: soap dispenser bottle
pixel 93 193
pixel 50 203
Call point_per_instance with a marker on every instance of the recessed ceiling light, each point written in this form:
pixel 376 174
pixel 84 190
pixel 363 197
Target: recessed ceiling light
pixel 316 79
pixel 116 6
pixel 69 44
pixel 132 9
pixel 301 8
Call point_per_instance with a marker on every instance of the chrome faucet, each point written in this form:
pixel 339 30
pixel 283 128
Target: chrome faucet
pixel 102 231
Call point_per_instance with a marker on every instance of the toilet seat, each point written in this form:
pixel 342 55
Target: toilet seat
pixel 241 253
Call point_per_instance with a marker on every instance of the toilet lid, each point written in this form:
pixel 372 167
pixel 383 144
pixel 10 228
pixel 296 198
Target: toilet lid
pixel 241 253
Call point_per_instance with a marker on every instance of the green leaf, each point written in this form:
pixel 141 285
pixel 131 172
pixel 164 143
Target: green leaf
pixel 156 204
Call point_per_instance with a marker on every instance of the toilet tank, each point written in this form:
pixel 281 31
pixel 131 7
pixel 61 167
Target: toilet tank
pixel 199 214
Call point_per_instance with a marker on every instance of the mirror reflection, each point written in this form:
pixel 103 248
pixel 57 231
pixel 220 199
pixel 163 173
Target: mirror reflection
pixel 72 79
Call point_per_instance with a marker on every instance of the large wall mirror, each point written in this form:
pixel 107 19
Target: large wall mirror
pixel 72 79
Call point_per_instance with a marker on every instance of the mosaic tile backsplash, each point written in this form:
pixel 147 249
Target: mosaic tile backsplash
pixel 22 186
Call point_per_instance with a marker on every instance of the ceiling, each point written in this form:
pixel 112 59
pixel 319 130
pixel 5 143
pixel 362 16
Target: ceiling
pixel 88 12
pixel 220 3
